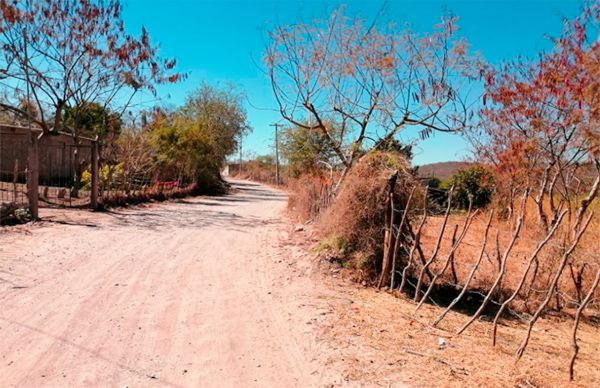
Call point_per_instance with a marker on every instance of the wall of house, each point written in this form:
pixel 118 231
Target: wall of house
pixel 58 157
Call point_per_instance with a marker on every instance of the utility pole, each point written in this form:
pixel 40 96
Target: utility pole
pixel 276 125
pixel 240 166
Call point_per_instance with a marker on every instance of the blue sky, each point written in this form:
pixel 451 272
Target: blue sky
pixel 222 42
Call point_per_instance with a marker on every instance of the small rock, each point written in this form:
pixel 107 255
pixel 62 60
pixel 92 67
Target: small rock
pixel 442 343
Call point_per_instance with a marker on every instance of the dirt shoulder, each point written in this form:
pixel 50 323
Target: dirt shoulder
pixel 377 339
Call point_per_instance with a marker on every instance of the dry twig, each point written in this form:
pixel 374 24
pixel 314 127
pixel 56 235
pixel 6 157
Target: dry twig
pixel 582 306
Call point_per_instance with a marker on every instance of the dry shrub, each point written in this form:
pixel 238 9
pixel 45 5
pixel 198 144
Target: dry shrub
pixel 357 215
pixel 257 171
pixel 308 196
pixel 124 198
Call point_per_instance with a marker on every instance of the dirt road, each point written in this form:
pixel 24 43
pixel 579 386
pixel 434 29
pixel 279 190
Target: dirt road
pixel 188 293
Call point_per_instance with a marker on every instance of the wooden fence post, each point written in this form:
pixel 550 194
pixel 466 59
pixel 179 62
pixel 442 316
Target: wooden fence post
pixel 33 175
pixel 95 177
pixel 389 237
pixel 15 180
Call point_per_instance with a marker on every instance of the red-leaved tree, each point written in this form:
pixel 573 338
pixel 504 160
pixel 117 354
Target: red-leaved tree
pixel 540 122
pixel 60 54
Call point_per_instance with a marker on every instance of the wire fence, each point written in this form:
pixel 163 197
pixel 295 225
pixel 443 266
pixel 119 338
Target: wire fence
pixel 123 183
pixel 13 167
pixel 71 172
pixel 62 163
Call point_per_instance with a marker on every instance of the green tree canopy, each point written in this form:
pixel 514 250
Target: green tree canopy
pixel 92 119
pixel 304 149
pixel 195 140
pixel 476 184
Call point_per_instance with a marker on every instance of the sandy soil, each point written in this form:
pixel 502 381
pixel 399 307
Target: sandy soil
pixel 185 293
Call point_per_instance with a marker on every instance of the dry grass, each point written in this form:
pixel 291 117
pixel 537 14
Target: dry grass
pixel 587 252
pixel 257 171
pixel 381 340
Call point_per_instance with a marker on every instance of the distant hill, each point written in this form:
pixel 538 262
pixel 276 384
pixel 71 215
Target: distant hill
pixel 442 170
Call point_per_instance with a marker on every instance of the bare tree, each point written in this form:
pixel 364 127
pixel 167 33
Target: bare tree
pixel 368 82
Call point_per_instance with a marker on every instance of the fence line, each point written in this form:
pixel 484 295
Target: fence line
pixel 443 288
pixel 63 171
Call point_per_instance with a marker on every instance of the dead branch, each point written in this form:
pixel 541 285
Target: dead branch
pixel 531 260
pixel 421 255
pixel 451 258
pixel 498 254
pixel 435 358
pixel 471 274
pixel 553 283
pixel 582 306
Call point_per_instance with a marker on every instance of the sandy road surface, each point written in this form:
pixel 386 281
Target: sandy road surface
pixel 188 293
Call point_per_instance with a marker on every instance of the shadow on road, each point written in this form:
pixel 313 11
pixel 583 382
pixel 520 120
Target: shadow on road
pixel 190 212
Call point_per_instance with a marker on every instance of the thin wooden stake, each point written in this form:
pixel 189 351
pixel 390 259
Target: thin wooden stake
pixel 15 179
pixel 416 240
pixel 389 223
pixel 397 243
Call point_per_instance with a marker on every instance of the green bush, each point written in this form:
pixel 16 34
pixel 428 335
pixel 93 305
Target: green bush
pixel 109 176
pixel 437 194
pixel 474 184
